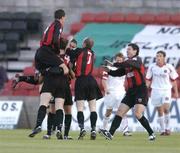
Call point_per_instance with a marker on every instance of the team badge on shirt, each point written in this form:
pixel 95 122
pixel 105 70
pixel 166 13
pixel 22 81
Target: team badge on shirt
pixel 165 71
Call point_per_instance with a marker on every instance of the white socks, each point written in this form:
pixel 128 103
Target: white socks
pixel 166 121
pixel 105 122
pixel 161 123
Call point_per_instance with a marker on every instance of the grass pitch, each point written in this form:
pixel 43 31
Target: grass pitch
pixel 17 141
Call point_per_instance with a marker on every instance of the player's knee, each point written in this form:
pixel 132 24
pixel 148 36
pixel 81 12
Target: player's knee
pixel 138 114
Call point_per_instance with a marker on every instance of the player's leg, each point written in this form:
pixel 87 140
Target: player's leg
pixel 125 127
pixel 109 101
pixel 80 118
pixel 44 101
pixel 50 120
pixel 122 110
pixel 68 112
pixel 166 107
pixel 139 111
pixel 106 118
pixel 59 103
pixel 160 120
pixel 93 118
pixel 67 121
pixel 31 79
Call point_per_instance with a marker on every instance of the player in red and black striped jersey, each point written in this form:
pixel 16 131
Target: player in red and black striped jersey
pixel 136 95
pixel 68 99
pixel 54 85
pixel 86 87
pixel 46 55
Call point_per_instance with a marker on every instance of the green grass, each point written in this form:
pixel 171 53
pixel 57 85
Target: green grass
pixel 16 141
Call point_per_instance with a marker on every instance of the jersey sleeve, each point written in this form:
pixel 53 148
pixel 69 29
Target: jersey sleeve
pixel 173 74
pixel 149 73
pixel 57 35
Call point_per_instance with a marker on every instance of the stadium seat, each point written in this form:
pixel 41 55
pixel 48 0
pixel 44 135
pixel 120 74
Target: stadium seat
pixel 132 18
pixel 11 46
pixel 147 18
pixel 7 90
pixel 1 36
pixel 12 36
pixel 87 17
pixel 33 92
pixel 5 16
pixel 162 18
pixel 5 26
pixel 3 47
pixel 20 92
pixel 19 25
pixel 175 18
pixel 19 16
pixel 76 27
pixel 101 17
pixel 29 71
pixel 34 22
pixel 116 17
pixel 24 85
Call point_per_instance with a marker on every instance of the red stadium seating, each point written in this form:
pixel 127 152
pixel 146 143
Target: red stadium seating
pixel 162 18
pixel 147 18
pixel 116 17
pixel 175 18
pixel 132 18
pixel 29 71
pixel 76 27
pixel 20 92
pixel 33 92
pixel 24 85
pixel 101 17
pixel 87 17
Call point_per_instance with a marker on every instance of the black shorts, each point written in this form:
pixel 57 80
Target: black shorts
pixel 45 57
pixel 57 85
pixel 86 88
pixel 138 95
pixel 68 98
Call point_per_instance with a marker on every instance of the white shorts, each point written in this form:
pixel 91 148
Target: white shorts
pixel 113 100
pixel 159 97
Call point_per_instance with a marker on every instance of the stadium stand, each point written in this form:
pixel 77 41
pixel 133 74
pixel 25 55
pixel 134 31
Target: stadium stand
pixel 147 18
pixel 162 18
pixel 101 17
pixel 175 18
pixel 87 17
pixel 116 17
pixel 27 23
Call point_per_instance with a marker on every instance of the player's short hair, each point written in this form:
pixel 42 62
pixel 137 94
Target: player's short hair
pixel 119 55
pixel 89 42
pixel 58 14
pixel 135 47
pixel 161 52
pixel 74 41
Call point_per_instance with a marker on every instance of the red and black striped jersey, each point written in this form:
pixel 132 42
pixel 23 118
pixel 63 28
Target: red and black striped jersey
pixel 51 36
pixel 84 59
pixel 134 71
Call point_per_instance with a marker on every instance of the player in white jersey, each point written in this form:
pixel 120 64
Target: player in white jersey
pixel 161 77
pixel 114 93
